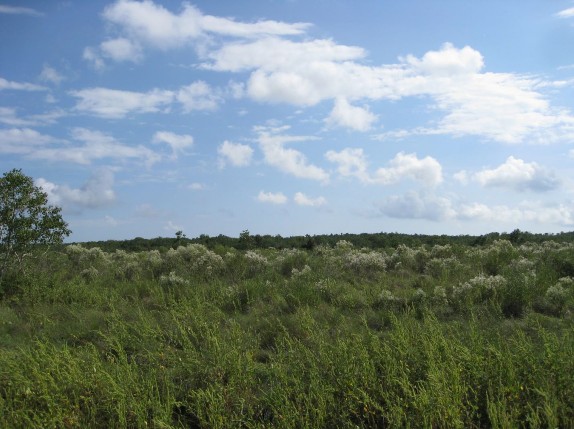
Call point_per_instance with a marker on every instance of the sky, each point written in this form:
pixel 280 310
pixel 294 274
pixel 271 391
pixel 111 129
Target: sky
pixel 292 117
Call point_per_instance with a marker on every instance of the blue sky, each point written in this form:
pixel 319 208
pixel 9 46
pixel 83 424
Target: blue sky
pixel 142 118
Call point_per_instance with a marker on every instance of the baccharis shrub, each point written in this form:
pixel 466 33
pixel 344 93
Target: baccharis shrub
pixel 89 274
pixel 302 272
pixel 194 259
pixel 557 295
pixel 80 256
pixel 479 289
pixel 172 279
pixel 256 262
pixel 442 267
pixel 365 262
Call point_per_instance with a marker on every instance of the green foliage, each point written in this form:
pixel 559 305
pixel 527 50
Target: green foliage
pixel 445 336
pixel 26 220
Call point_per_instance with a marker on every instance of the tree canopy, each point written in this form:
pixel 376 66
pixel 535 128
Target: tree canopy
pixel 26 218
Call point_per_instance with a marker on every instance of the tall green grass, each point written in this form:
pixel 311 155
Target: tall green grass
pixel 334 338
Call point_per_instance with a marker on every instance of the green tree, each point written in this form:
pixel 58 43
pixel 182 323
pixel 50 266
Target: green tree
pixel 26 220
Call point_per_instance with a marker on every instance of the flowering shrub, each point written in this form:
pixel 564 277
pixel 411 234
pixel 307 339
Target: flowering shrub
pixel 172 280
pixel 479 289
pixel 289 259
pixel 302 272
pixel 364 262
pixel 256 262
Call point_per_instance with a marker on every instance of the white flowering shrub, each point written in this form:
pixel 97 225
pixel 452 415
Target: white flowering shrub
pixel 479 289
pixel 496 257
pixel 256 263
pixel 195 259
pixel 288 259
pixel 441 268
pixel 343 246
pixel 89 274
pixel 388 301
pixel 364 263
pixel 558 295
pixel 126 265
pixel 406 258
pixel 173 280
pixel 80 256
pixel 303 272
pixel 152 262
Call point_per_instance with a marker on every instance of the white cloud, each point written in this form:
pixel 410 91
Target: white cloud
pixel 426 170
pixel 346 115
pixel 449 61
pixel 19 86
pixel 352 162
pixel 156 26
pixel 461 177
pixel 93 56
pixel 171 226
pixel 416 206
pixel 177 142
pixel 22 140
pixel 196 186
pixel 112 103
pixel 8 116
pixel 270 197
pixel 16 10
pixel 96 192
pixel 304 200
pixel 198 96
pixel 236 154
pixel 121 49
pixel 519 175
pixel 559 214
pixel 285 159
pixel 50 74
pixel 245 56
pixel 566 13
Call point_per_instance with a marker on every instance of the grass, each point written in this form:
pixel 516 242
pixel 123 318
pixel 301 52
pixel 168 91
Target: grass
pixel 405 343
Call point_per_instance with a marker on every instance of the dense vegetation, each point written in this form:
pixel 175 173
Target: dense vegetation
pixel 326 335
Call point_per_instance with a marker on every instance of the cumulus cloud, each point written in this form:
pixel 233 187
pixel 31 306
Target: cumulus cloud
pixel 351 162
pixel 273 198
pixel 504 107
pixel 354 117
pixel 117 104
pixel 558 214
pixel 121 49
pixel 94 57
pixel 19 86
pixel 113 103
pixel 272 143
pixel 96 192
pixel 22 140
pixel 50 74
pixel 518 175
pixel 198 96
pixel 177 142
pixel 236 154
pixel 426 170
pixel 158 27
pixel 566 13
pixel 413 205
pixel 303 200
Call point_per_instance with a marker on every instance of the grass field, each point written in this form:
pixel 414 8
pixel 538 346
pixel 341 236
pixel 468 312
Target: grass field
pixel 334 337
